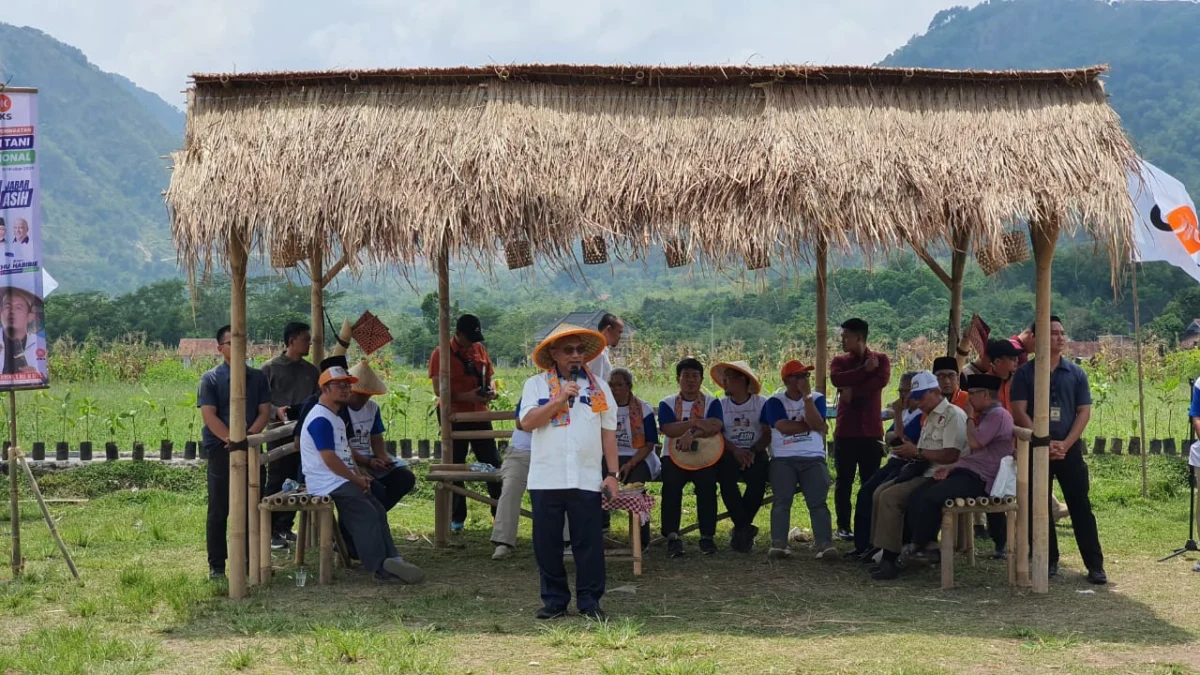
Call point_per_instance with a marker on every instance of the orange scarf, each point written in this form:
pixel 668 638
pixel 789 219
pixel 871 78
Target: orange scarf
pixel 599 401
pixel 637 424
pixel 697 408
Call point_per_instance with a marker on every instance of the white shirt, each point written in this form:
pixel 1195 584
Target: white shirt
pixel 625 447
pixel 317 477
pixel 361 421
pixel 743 423
pixel 569 457
pixel 945 427
pixel 810 444
pixel 600 366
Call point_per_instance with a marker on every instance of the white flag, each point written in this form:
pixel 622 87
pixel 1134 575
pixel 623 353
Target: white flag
pixel 1165 228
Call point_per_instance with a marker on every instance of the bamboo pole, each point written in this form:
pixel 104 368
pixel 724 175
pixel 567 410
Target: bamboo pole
pixel 317 276
pixel 253 494
pixel 1137 338
pixel 1045 236
pixel 822 315
pixel 264 544
pixel 14 493
pixel 958 269
pixel 14 454
pixel 237 417
pixel 325 536
pixel 1022 549
pixel 443 498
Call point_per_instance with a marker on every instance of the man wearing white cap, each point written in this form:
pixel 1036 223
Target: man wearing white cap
pixel 328 470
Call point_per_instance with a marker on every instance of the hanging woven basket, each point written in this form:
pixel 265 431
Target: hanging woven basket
pixel 677 253
pixel 595 251
pixel 757 258
pixel 518 254
pixel 1016 247
pixel 287 254
pixel 989 262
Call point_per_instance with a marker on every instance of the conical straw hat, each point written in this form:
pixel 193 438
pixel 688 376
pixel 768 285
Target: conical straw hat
pixel 368 382
pixel 719 371
pixel 343 339
pixel 592 341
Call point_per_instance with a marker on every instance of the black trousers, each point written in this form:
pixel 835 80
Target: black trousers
pixel 366 520
pixel 218 507
pixel 485 451
pixel 704 484
pixel 863 455
pixel 582 510
pixel 925 507
pixel 277 472
pixel 388 488
pixel 864 502
pixel 1072 474
pixel 743 506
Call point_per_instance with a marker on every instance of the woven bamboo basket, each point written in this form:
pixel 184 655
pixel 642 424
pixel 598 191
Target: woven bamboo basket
pixel 595 251
pixel 989 262
pixel 757 258
pixel 285 255
pixel 1016 247
pixel 518 254
pixel 677 253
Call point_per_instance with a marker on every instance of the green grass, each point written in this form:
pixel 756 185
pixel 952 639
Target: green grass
pixel 145 604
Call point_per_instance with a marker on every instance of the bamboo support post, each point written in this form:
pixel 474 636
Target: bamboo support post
pixel 15 455
pixel 1137 338
pixel 958 268
pixel 481 435
pixel 442 498
pixel 14 493
pixel 292 500
pixel 960 502
pixel 325 527
pixel 1010 518
pixel 949 534
pixel 970 501
pixel 253 496
pixel 316 262
pixel 264 545
pixel 237 416
pixel 301 536
pixel 822 354
pixel 1045 235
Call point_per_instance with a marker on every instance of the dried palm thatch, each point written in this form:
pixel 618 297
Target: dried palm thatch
pixel 729 162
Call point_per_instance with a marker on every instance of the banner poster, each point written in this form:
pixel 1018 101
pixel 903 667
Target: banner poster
pixel 23 348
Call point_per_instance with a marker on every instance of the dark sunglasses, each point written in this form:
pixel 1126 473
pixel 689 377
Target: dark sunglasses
pixel 570 350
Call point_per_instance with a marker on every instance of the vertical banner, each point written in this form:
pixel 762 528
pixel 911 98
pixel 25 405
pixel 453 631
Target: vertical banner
pixel 23 347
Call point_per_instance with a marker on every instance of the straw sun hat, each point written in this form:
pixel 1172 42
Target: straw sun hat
pixel 367 381
pixel 593 343
pixel 719 371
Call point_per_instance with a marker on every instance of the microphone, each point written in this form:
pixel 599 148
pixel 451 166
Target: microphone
pixel 574 377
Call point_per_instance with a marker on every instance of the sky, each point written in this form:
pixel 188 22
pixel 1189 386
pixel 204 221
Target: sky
pixel 158 43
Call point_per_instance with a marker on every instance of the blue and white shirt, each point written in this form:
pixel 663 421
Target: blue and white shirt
pixel 808 445
pixel 323 430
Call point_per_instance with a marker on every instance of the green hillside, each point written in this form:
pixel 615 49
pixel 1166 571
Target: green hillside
pixel 1151 46
pixel 105 223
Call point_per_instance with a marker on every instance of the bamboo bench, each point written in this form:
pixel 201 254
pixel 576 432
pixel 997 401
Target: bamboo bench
pixel 958 516
pixel 322 530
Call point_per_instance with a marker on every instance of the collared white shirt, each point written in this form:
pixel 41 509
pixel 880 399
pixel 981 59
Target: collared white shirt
pixel 600 366
pixel 945 427
pixel 571 456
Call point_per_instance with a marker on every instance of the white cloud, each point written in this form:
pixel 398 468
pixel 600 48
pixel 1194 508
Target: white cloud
pixel 158 43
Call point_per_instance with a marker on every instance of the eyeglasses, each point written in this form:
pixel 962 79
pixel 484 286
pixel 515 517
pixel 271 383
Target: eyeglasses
pixel 224 344
pixel 570 350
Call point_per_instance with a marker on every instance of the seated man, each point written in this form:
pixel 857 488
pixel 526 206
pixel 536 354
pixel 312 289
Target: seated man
pixel 943 440
pixel 684 417
pixel 990 440
pixel 328 470
pixel 906 426
pixel 637 438
pixel 796 418
pixel 747 438
pixel 365 426
pixel 515 472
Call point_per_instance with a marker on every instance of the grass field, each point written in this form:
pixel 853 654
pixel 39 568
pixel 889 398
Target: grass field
pixel 145 605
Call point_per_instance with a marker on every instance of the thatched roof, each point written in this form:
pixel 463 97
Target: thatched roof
pixel 729 159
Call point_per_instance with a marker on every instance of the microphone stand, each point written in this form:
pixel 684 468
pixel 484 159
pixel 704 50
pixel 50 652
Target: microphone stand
pixel 1190 545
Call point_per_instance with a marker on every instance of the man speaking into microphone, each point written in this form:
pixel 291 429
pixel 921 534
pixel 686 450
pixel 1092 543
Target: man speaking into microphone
pixel 573 459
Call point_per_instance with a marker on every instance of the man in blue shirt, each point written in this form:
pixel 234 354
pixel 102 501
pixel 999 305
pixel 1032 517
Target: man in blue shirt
pixel 1070 410
pixel 213 401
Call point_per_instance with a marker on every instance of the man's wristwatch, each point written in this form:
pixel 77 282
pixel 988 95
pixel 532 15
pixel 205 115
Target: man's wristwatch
pixel 610 474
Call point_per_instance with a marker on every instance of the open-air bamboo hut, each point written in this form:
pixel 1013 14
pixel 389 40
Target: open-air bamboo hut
pixel 419 167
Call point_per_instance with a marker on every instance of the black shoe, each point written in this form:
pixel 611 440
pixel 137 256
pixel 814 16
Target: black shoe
pixel 886 571
pixel 856 553
pixel 868 557
pixel 843 534
pixel 1000 554
pixel 215 574
pixel 1097 577
pixel 931 556
pixel 748 535
pixel 707 546
pixel 1053 570
pixel 278 542
pixel 674 548
pixel 547 613
pixel 595 614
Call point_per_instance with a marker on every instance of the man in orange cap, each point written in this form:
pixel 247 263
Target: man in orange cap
pixel 796 417
pixel 329 470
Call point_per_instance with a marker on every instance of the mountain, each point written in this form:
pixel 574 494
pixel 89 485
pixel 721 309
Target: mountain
pixel 105 225
pixel 1153 86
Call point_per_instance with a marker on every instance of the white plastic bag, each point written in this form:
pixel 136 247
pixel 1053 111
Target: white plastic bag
pixel 1006 479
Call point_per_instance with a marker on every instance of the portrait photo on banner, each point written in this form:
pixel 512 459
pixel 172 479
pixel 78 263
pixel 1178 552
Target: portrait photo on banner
pixel 23 349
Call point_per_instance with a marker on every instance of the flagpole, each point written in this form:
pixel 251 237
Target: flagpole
pixel 1137 338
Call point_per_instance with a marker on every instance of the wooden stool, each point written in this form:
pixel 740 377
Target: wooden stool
pixel 305 506
pixel 963 511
